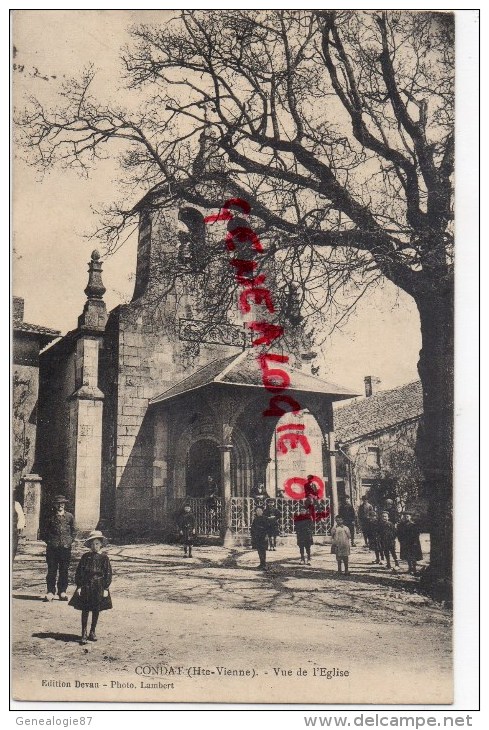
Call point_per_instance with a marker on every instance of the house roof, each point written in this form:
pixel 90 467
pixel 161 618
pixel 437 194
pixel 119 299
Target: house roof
pixel 44 334
pixel 35 329
pixel 378 412
pixel 244 370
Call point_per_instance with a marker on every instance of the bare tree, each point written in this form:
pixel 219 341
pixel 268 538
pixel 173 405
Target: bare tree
pixel 337 127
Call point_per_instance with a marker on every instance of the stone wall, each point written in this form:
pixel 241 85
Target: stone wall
pixel 25 389
pixel 68 454
pixel 28 339
pixel 142 357
pixel 55 428
pixel 358 469
pixel 24 414
pixel 140 362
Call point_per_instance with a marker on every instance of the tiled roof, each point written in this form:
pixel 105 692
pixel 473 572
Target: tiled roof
pixel 378 412
pixel 244 370
pixel 36 329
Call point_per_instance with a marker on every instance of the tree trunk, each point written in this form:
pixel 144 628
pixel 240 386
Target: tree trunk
pixel 435 436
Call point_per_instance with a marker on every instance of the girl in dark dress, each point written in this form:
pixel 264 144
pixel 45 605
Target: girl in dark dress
pixel 93 577
pixel 304 528
pixel 408 536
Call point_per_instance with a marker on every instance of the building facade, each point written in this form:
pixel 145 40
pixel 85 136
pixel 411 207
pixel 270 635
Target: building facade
pixel 28 341
pixel 376 442
pixel 140 405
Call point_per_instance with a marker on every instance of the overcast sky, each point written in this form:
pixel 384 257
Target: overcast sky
pixel 53 215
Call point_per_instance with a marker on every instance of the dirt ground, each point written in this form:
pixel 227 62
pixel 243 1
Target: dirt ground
pixel 214 629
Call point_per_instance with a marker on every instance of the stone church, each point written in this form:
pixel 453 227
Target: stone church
pixel 140 407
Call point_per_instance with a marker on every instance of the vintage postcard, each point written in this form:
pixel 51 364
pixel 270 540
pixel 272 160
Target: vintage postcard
pixel 233 353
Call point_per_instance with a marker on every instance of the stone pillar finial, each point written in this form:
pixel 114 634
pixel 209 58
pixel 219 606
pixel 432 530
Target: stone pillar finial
pixel 95 288
pixel 94 315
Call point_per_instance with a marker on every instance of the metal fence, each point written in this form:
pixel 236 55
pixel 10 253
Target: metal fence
pixel 243 510
pixel 208 518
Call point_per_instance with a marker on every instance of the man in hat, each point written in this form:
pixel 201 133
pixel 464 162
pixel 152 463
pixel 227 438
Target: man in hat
pixel 367 520
pixel 58 534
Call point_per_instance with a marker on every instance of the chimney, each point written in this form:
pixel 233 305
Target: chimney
pixel 18 310
pixel 372 384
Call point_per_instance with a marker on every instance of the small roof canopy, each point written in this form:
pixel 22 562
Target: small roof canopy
pixel 243 370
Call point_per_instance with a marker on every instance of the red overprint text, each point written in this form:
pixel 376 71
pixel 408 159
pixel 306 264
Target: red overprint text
pixel 275 379
pixel 295 487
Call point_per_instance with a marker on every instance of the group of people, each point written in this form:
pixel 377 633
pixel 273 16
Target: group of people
pixel 265 529
pixel 93 574
pixel 381 527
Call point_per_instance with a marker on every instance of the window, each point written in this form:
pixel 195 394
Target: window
pixel 373 457
pixel 192 241
pixel 367 484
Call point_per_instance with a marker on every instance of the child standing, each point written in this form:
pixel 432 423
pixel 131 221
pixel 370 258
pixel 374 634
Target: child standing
pixel 341 544
pixel 387 537
pixel 259 537
pixel 273 518
pixel 304 528
pixel 186 523
pixel 376 542
pixel 408 536
pixel 93 578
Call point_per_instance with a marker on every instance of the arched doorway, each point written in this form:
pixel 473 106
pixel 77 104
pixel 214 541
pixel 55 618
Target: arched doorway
pixel 203 460
pixel 295 462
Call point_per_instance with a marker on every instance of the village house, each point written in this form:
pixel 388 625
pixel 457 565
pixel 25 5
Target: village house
pixel 140 405
pixel 376 439
pixel 28 340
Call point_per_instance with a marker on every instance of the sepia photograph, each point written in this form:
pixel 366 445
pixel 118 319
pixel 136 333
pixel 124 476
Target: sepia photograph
pixel 233 356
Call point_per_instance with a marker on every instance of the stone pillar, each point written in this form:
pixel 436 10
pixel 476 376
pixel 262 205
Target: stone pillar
pixel 32 505
pixel 332 475
pixel 86 420
pixel 86 403
pixel 328 432
pixel 228 538
pixel 160 467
